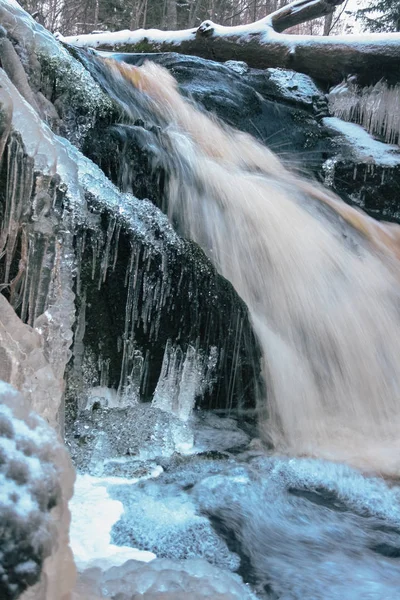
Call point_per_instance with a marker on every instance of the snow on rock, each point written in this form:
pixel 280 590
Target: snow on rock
pixel 35 485
pixel 374 107
pixel 94 513
pixel 363 146
pixel 295 86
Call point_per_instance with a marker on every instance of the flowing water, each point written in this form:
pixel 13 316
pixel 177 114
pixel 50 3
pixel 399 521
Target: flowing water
pixel 321 279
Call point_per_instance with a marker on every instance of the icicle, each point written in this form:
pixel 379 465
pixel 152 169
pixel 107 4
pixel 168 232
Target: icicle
pixel 106 260
pixel 376 108
pixel 183 378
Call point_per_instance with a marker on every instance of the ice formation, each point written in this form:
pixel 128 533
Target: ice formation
pixel 363 146
pixel 376 108
pixel 163 579
pixel 36 480
pixel 183 378
pixel 94 513
pixel 42 283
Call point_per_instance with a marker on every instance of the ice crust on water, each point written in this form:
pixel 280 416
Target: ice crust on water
pixel 310 526
pixel 164 520
pixel 164 579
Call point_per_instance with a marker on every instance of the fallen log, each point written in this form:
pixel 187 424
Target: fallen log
pixel 261 44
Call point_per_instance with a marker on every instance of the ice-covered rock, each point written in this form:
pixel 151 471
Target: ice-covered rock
pixel 54 74
pixel 163 519
pixel 36 480
pixel 163 579
pixel 99 437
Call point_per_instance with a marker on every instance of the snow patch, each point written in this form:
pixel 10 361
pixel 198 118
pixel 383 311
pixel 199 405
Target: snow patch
pixel 364 146
pixel 119 38
pixel 93 514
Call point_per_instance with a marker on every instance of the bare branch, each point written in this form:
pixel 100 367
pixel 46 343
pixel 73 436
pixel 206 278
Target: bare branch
pixel 300 11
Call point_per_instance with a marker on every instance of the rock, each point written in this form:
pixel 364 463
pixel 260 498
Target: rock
pixel 281 108
pixel 36 482
pixel 155 286
pixel 129 435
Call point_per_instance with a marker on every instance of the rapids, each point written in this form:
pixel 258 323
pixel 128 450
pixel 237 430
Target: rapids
pixel 321 279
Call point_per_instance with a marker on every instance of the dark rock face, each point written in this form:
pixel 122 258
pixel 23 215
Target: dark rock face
pixel 150 295
pixel 138 286
pixel 374 188
pixel 282 109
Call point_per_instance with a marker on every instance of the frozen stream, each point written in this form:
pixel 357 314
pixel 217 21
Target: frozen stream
pixel 291 528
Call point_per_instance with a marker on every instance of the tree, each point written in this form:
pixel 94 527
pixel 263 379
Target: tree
pixel 381 15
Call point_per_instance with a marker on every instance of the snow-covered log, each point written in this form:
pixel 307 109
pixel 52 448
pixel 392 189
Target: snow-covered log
pixel 261 44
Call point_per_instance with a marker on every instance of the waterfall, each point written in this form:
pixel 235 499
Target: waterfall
pixel 321 279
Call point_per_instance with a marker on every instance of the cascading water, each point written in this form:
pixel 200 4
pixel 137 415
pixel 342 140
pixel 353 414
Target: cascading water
pixel 225 518
pixel 321 280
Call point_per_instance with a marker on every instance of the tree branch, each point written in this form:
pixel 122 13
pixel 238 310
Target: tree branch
pixel 300 11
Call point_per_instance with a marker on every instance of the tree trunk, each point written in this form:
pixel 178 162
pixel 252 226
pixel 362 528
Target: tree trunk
pixel 96 14
pixel 261 45
pixel 328 23
pixel 171 17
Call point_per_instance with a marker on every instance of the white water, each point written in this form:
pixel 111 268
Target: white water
pixel 321 281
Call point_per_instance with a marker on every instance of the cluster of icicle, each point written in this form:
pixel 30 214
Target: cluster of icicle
pixel 375 107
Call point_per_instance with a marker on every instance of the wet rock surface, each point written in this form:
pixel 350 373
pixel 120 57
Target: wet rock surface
pixel 280 108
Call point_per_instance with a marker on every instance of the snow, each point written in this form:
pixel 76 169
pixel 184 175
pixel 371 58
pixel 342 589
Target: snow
pixel 364 146
pixel 246 32
pixel 93 514
pixel 294 86
pixel 119 38
pixel 31 461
